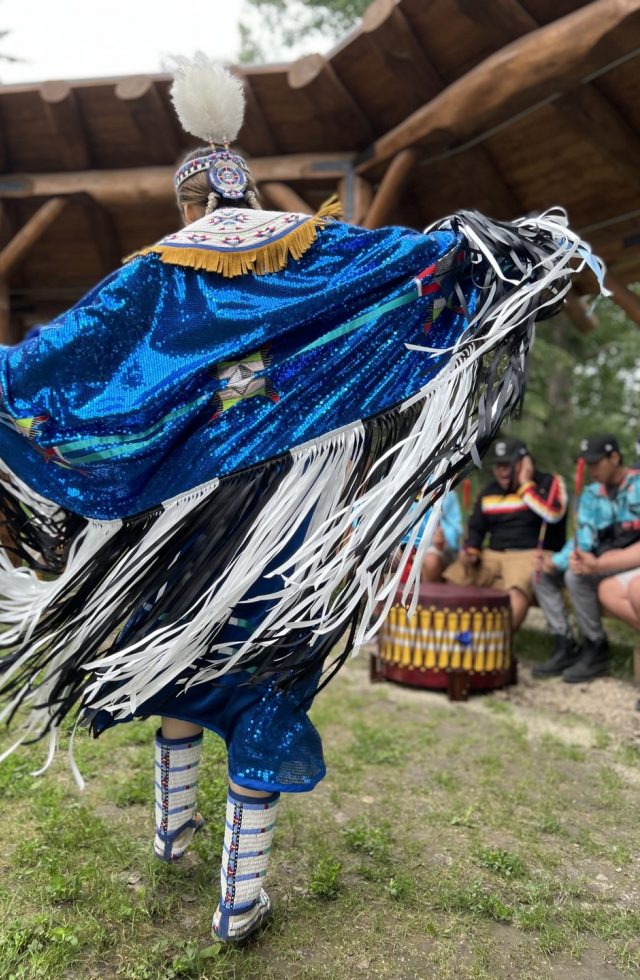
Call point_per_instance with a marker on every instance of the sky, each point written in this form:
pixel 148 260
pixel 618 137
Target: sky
pixel 95 38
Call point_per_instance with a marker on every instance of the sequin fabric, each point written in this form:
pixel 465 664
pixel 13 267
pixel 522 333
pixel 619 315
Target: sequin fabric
pixel 121 403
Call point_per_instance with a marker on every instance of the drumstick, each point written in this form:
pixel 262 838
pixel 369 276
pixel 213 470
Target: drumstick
pixel 543 525
pixel 578 485
pixel 466 494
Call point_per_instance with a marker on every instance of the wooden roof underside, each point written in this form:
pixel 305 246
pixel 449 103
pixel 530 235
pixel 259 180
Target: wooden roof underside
pixel 428 106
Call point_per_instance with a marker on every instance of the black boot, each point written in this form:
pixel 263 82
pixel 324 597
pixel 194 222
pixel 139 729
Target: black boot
pixel 564 654
pixel 594 662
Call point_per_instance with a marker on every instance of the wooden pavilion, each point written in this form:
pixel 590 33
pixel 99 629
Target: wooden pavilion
pixel 428 106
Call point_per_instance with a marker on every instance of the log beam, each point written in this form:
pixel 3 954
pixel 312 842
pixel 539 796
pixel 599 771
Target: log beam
pixel 15 251
pixel 63 114
pixel 391 188
pixel 150 184
pixel 150 118
pixel 283 197
pixel 330 99
pixel 538 66
pixel 623 296
pixel 394 41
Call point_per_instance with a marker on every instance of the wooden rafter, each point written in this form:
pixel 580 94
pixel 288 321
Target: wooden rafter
pixel 157 130
pixel 508 15
pixel 257 134
pixel 63 114
pixel 330 99
pixel 589 112
pixel 540 65
pixel 390 33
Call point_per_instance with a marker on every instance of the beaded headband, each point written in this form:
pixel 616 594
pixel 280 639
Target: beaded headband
pixel 227 172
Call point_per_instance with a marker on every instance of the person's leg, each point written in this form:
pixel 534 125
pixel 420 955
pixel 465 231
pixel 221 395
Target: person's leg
pixel 615 599
pixel 594 660
pixel 548 591
pixel 432 567
pixel 178 748
pixel 633 593
pixel 519 606
pixel 583 592
pixel 249 825
pixel 515 577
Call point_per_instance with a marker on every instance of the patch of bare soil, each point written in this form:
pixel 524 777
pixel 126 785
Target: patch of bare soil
pixel 606 701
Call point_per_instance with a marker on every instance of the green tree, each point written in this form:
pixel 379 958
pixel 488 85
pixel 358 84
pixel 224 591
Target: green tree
pixel 270 28
pixel 580 384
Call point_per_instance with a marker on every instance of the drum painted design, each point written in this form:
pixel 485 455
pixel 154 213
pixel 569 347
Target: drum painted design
pixel 454 629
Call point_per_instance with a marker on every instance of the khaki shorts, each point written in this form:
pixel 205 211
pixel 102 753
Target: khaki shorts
pixel 497 570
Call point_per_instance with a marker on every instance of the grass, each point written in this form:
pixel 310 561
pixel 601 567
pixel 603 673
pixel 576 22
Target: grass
pixel 448 841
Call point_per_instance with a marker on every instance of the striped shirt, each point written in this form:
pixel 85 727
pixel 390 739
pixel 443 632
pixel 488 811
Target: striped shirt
pixel 513 518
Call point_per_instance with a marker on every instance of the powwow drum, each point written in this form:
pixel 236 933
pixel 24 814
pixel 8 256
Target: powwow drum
pixel 458 639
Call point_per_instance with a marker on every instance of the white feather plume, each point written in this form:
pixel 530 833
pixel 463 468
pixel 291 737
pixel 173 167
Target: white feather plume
pixel 208 99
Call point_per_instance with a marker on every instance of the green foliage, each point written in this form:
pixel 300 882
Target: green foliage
pixel 272 27
pixel 325 878
pixel 502 862
pixel 580 384
pixel 374 841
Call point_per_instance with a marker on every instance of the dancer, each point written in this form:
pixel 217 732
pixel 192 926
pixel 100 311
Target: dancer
pixel 218 448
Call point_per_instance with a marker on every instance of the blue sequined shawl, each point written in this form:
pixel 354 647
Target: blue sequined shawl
pixel 180 438
pixel 162 377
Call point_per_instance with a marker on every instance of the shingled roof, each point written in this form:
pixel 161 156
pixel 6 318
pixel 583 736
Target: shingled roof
pixel 427 106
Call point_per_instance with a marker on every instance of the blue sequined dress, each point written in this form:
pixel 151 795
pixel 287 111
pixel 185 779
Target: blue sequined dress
pixel 190 427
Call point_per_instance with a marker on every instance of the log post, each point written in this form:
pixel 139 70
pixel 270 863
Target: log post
pixel 625 299
pixel 14 252
pixel 390 190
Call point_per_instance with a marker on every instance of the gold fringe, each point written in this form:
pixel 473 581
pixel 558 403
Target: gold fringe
pixel 271 257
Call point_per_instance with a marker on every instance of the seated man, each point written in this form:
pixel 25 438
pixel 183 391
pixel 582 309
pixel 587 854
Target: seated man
pixel 594 565
pixel 445 542
pixel 521 508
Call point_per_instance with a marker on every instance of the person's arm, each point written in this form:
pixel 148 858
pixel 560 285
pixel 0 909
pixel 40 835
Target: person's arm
pixel 477 529
pixel 548 502
pixel 451 521
pixel 610 562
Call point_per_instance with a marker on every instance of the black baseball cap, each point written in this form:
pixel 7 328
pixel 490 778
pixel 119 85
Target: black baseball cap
pixel 509 450
pixel 594 448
